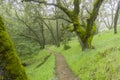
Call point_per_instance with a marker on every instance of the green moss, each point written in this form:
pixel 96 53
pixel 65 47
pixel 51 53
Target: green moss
pixel 78 29
pixel 13 67
pixel 94 28
pixel 89 41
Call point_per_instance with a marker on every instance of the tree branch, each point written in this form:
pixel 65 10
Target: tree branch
pixel 58 18
pixel 59 5
pixel 87 10
pixel 29 37
pixel 76 6
pixel 93 16
pixel 27 25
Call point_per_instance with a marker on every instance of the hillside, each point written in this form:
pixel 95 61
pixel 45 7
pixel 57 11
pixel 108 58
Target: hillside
pixel 101 63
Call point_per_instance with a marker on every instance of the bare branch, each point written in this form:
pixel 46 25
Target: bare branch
pixel 59 5
pixel 26 25
pixel 58 18
pixel 87 10
pixel 29 37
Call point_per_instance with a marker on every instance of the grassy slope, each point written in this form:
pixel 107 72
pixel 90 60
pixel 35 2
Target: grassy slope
pixel 101 63
pixel 45 71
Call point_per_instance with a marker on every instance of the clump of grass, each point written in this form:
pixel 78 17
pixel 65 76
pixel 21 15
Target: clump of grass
pixel 107 52
pixel 66 47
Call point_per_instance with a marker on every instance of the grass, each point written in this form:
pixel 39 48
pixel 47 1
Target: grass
pixel 45 71
pixel 101 63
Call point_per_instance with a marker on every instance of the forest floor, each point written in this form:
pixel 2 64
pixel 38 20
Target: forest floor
pixel 63 72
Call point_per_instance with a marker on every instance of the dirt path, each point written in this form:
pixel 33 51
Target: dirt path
pixel 62 70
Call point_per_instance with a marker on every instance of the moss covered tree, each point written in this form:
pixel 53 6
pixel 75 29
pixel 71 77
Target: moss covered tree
pixel 85 33
pixel 10 65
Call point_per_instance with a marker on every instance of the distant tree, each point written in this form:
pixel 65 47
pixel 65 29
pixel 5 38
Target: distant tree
pixel 57 29
pixel 85 33
pixel 34 26
pixel 9 61
pixel 110 15
pixel 116 17
pixel 38 25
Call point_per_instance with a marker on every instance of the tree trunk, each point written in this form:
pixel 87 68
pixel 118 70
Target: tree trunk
pixel 116 18
pixel 43 36
pixel 57 31
pixel 85 43
pixel 12 66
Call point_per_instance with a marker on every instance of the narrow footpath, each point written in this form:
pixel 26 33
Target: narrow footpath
pixel 63 72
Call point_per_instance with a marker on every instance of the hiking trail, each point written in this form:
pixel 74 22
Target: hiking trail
pixel 63 72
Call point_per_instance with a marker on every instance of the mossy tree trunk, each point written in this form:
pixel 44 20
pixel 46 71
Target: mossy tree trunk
pixel 85 34
pixel 12 65
pixel 84 38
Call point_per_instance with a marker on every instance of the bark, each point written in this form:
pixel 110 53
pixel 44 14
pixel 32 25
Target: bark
pixel 12 66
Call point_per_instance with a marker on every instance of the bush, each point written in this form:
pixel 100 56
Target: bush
pixel 66 47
